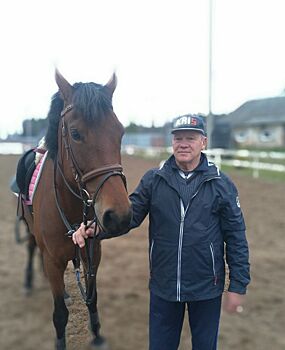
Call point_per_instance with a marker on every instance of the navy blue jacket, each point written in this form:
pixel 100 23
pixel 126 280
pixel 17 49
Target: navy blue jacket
pixel 187 245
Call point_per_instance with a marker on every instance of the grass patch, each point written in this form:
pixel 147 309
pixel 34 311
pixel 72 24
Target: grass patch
pixel 267 175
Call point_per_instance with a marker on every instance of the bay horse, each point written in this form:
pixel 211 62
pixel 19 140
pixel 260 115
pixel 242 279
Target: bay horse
pixel 81 180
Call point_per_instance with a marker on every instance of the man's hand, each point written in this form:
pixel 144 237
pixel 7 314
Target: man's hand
pixel 80 235
pixel 233 302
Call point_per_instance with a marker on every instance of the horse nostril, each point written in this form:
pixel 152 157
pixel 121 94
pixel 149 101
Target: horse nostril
pixel 108 217
pixel 115 224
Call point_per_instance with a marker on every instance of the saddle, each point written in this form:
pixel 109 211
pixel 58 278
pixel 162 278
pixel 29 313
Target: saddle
pixel 25 169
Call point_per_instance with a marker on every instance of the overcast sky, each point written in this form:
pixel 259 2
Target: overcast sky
pixel 159 48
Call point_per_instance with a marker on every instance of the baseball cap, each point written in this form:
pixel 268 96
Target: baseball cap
pixel 193 122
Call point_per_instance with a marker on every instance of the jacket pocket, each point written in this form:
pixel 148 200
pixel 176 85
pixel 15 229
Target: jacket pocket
pixel 163 259
pixel 150 255
pixel 198 261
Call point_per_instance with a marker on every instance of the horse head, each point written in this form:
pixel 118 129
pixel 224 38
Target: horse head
pixel 89 149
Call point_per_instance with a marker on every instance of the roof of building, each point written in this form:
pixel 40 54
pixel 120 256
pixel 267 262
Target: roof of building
pixel 263 111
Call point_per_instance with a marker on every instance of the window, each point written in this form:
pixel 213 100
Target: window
pixel 241 136
pixel 267 135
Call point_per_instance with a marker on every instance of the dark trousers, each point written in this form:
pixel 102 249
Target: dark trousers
pixel 166 321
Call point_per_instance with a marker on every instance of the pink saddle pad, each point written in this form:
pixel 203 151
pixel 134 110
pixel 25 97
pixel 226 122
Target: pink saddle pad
pixel 35 179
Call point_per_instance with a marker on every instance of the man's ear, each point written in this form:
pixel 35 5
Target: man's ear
pixel 205 142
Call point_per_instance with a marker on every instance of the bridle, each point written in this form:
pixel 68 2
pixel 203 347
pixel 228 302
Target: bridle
pixel 104 173
pixel 80 178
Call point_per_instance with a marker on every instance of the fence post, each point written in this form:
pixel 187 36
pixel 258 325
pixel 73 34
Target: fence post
pixel 218 159
pixel 255 163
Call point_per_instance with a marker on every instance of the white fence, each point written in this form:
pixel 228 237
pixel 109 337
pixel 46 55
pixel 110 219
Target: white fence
pixel 248 159
pixel 237 158
pixel 13 147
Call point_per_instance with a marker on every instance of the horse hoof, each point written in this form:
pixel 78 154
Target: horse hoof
pixel 27 292
pixel 60 344
pixel 68 301
pixel 99 343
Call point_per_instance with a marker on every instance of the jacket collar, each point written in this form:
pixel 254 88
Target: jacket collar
pixel 206 170
pixel 205 166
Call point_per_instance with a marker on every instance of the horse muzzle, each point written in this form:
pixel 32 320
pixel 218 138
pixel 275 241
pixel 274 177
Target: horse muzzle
pixel 115 224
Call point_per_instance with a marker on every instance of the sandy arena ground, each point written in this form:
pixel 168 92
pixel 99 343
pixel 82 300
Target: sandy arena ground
pixel 25 322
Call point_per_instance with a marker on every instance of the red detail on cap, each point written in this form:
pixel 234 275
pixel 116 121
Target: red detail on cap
pixel 193 121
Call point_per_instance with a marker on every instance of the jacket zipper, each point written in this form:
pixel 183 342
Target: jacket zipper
pixel 213 262
pixel 183 212
pixel 181 232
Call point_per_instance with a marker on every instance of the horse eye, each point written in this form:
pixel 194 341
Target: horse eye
pixel 75 135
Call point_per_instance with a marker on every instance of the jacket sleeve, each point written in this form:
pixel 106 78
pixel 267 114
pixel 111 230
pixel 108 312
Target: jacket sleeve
pixel 140 199
pixel 233 228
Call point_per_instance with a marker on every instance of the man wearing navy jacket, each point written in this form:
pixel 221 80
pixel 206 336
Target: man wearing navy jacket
pixel 195 226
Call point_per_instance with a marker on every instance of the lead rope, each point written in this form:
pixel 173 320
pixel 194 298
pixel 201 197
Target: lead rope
pixel 89 251
pixel 89 294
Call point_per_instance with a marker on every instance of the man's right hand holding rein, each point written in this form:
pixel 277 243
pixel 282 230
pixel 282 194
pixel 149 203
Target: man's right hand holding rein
pixel 81 234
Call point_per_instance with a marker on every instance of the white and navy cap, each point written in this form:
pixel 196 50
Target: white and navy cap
pixel 193 122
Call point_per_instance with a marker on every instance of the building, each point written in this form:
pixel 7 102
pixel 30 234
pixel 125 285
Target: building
pixel 144 139
pixel 255 124
pixel 260 123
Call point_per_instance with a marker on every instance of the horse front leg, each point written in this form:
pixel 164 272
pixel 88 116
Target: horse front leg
pixel 55 273
pixel 98 342
pixel 60 319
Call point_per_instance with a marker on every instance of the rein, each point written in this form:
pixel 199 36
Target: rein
pixel 87 203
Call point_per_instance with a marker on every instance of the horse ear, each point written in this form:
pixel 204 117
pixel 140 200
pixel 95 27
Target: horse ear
pixel 65 88
pixel 111 85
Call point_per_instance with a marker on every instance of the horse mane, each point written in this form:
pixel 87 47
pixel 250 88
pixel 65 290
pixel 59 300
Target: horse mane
pixel 90 99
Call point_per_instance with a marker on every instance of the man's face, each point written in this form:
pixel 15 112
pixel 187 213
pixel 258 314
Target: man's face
pixel 187 146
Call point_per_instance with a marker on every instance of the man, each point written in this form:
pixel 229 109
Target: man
pixel 194 216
